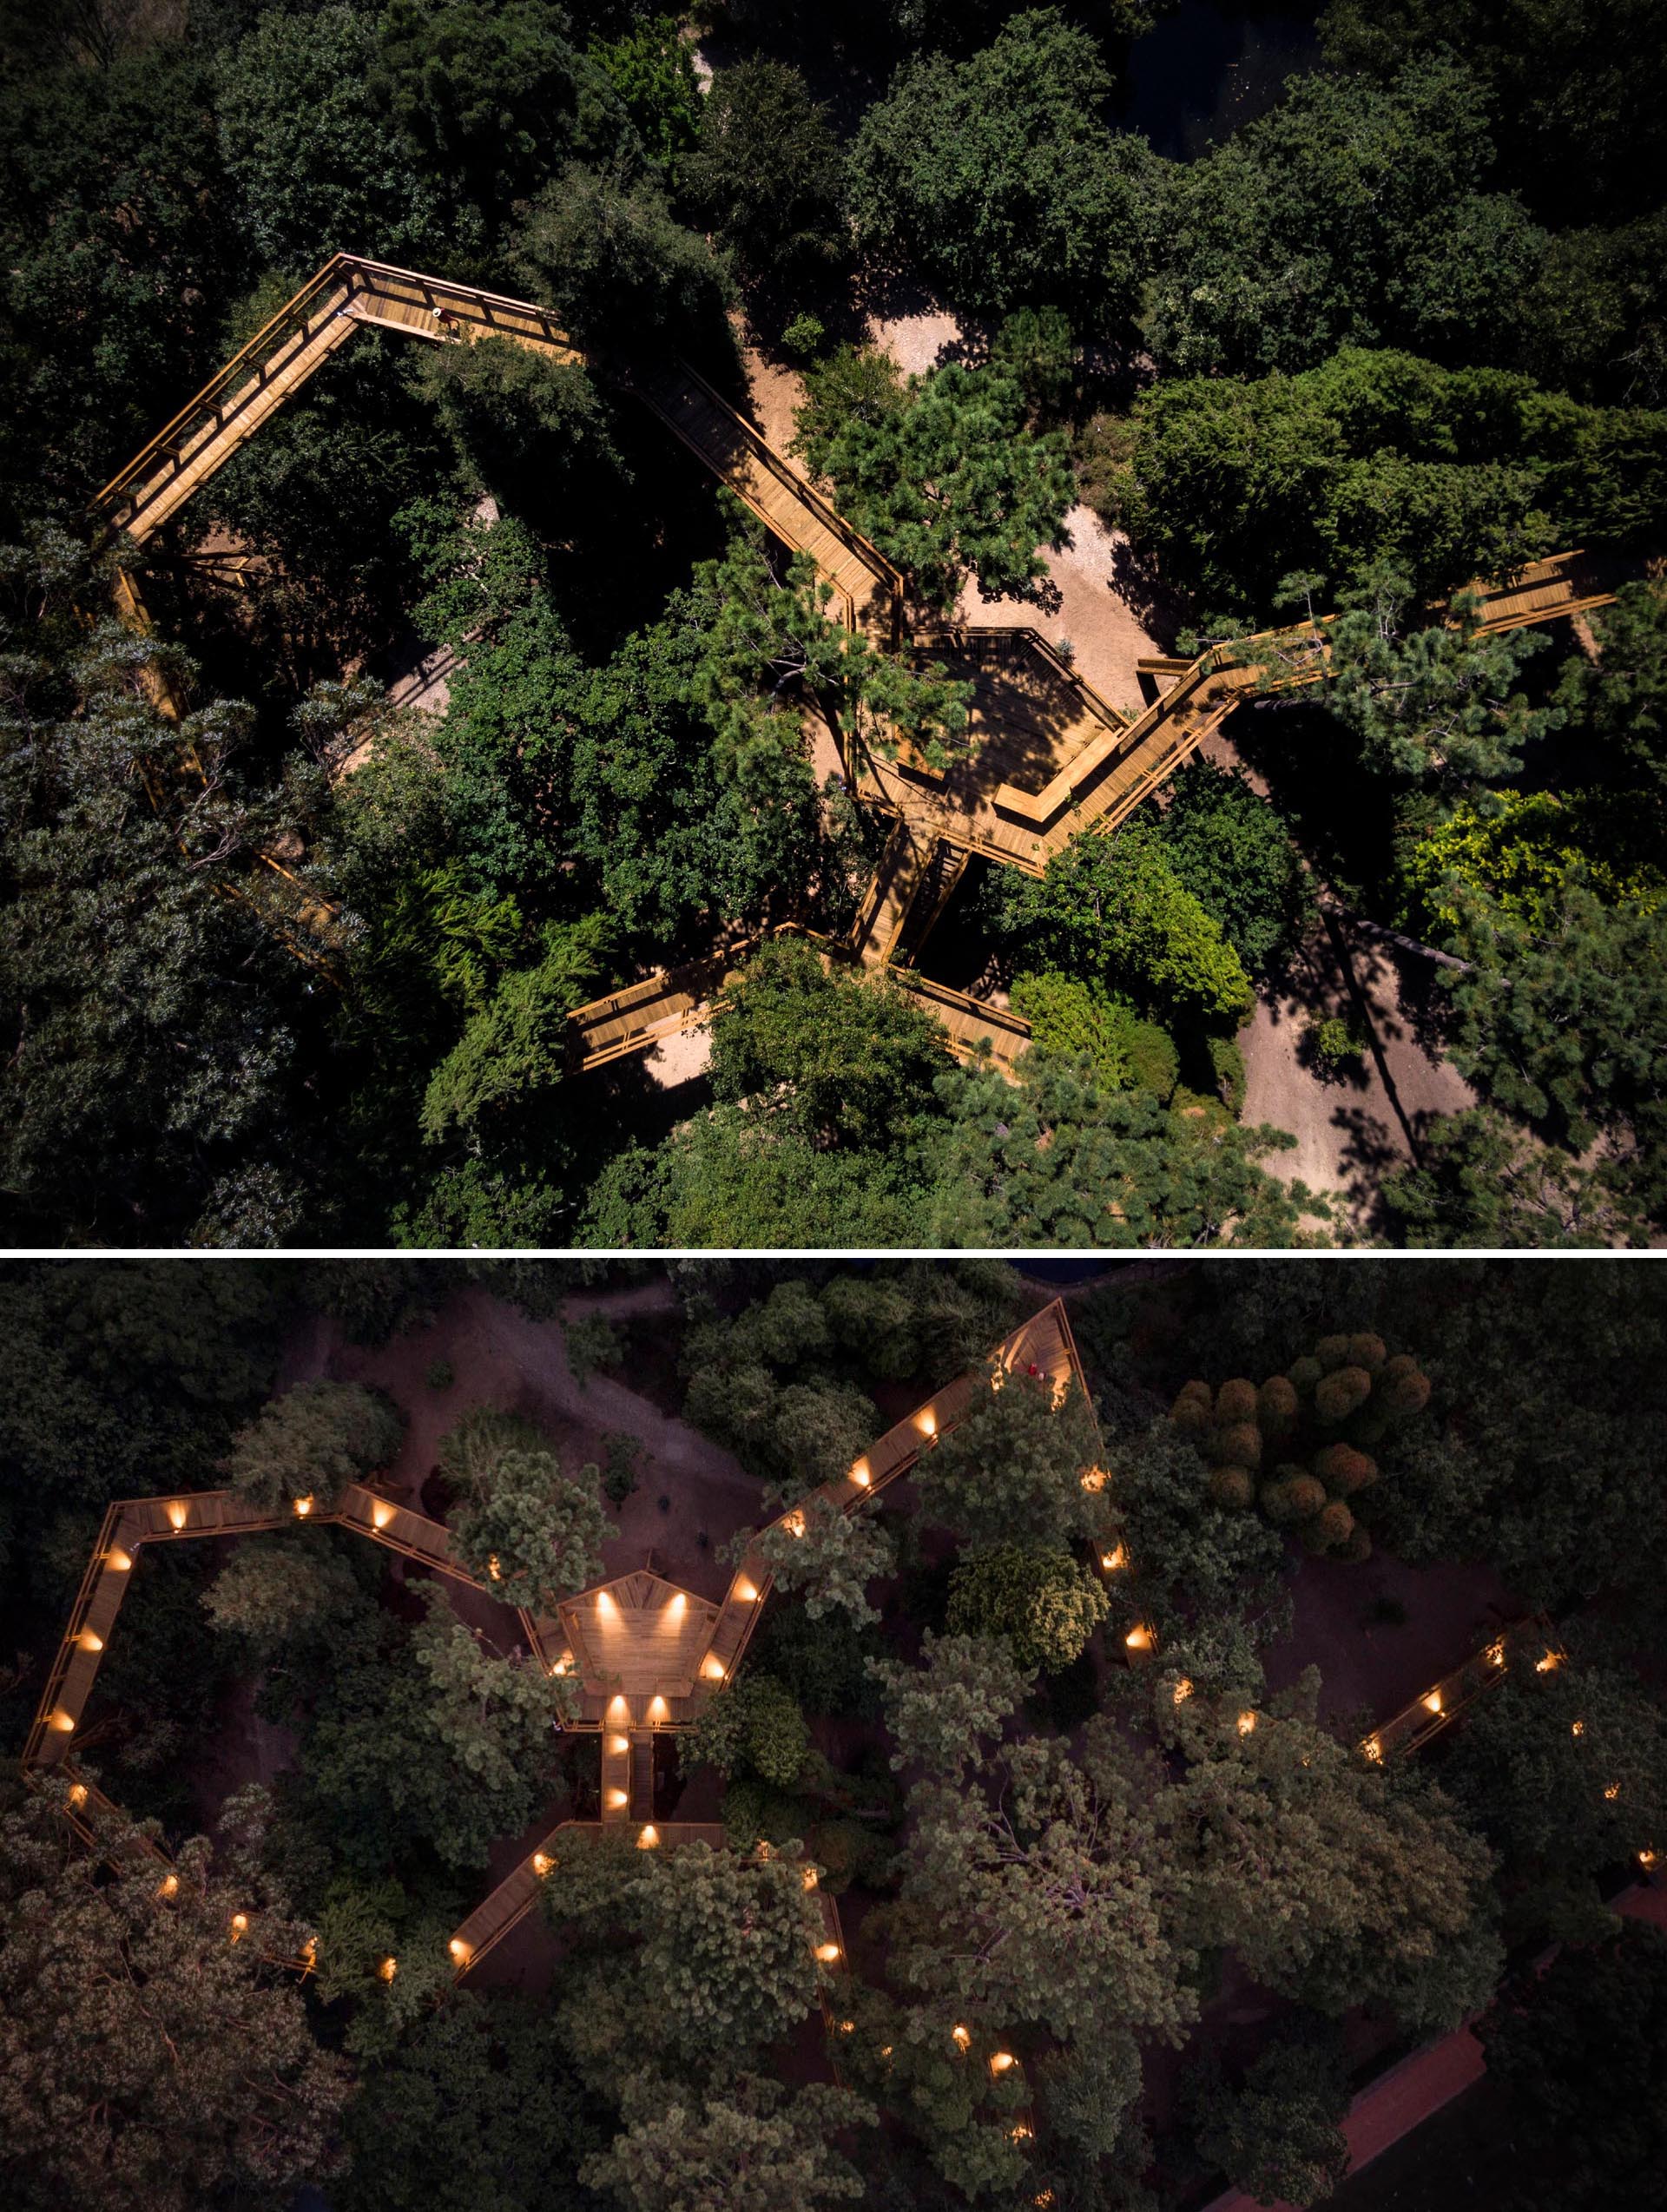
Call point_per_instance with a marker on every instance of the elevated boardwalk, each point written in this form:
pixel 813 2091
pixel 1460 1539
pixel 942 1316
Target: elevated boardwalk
pixel 1050 758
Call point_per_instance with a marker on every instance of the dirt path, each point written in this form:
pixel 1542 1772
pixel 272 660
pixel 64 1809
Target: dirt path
pixel 502 1358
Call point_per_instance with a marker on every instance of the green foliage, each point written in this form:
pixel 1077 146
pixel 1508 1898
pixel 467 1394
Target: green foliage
pixel 750 1726
pixel 516 1047
pixel 997 179
pixel 1192 1554
pixel 1277 2134
pixel 1519 854
pixel 1116 911
pixel 311 1441
pixel 616 266
pixel 766 174
pixel 486 2073
pixel 652 67
pixel 751 2147
pixel 1068 1016
pixel 1233 851
pixel 1015 1460
pixel 1481 1179
pixel 1538 1789
pixel 941 475
pixel 1042 1603
pixel 845 1062
pixel 1056 1161
pixel 830 1556
pixel 945 1713
pixel 1350 214
pixel 1451 474
pixel 591 1340
pixel 1578 2049
pixel 1034 346
pixel 536 1535
pixel 1617 700
pixel 514 413
pixel 281 1591
pixel 192 2074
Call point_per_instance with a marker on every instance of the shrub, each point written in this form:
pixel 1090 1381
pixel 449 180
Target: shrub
pixel 1338 1394
pixel 1332 1525
pixel 1192 1412
pixel 1304 1374
pixel 1343 1470
pixel 1332 1351
pixel 619 1456
pixel 1234 1487
pixel 1277 1405
pixel 1368 1351
pixel 1239 1444
pixel 1359 1547
pixel 1403 1390
pixel 1041 1601
pixel 441 1374
pixel 1231 1080
pixel 804 337
pixel 1294 1495
pixel 1236 1401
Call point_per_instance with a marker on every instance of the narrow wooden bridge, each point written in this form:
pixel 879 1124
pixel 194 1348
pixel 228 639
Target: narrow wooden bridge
pixel 1052 757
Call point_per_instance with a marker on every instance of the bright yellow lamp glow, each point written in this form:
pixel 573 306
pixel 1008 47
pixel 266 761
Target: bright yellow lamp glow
pixel 117 1559
pixel 494 1569
pixel 1182 1690
pixel 928 1423
pixel 63 1722
pixel 860 1475
pixel 1247 1724
pixel 1576 1728
pixel 658 1710
pixel 1496 1653
pixel 1019 2132
pixel 1613 1791
pixel 648 1838
pixel 1114 1559
pixel 678 1605
pixel 747 1592
pixel 1001 2060
pixel 177 1514
pixel 619 1710
pixel 459 1950
pixel 1646 1859
pixel 963 2035
pixel 239 1927
pixel 1139 1637
pixel 810 1878
pixel 89 1641
pixel 388 1969
pixel 303 1507
pixel 616 1798
pixel 77 1793
pixel 381 1513
pixel 1095 1478
pixel 827 1953
pixel 169 1886
pixel 605 1605
pixel 1374 1750
pixel 542 1863
pixel 712 1667
pixel 618 1743
pixel 1544 1666
pixel 793 1523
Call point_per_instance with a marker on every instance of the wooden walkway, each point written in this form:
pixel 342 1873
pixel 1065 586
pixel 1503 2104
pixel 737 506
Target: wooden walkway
pixel 1052 758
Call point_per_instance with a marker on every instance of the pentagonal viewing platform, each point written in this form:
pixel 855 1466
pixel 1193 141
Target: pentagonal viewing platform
pixel 639 1637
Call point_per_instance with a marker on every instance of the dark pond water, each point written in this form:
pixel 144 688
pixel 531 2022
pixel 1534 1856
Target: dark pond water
pixel 1202 72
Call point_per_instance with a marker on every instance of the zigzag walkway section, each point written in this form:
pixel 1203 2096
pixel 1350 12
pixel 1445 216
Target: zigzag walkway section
pixel 645 1653
pixel 1033 716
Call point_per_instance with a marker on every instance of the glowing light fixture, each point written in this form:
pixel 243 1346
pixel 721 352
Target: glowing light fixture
pixel 616 1798
pixel 1019 2132
pixel 1431 1701
pixel 618 1743
pixel 303 1507
pixel 658 1710
pixel 381 1513
pixel 605 1605
pixel 1114 1559
pixel 1182 1690
pixel 63 1722
pixel 1646 1859
pixel 793 1523
pixel 118 1560
pixel 678 1605
pixel 928 1423
pixel 239 1927
pixel 1001 2060
pixel 1139 1637
pixel 746 1591
pixel 712 1667
pixel 459 1950
pixel 1094 1478
pixel 388 1969
pixel 963 2035
pixel 77 1794
pixel 810 1878
pixel 1576 1728
pixel 619 1710
pixel 89 1641
pixel 648 1838
pixel 861 1476
pixel 169 1886
pixel 1247 1724
pixel 1612 1792
pixel 1544 1666
pixel 1374 1750
pixel 827 1953
pixel 542 1863
pixel 1496 1653
pixel 177 1514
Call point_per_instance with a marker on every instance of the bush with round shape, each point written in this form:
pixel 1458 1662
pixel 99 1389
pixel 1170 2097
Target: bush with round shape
pixel 1304 1373
pixel 1359 1547
pixel 1331 1527
pixel 1239 1444
pixel 1234 1488
pixel 1294 1495
pixel 1342 1392
pixel 1332 1351
pixel 1277 1405
pixel 1403 1390
pixel 1192 1412
pixel 1368 1351
pixel 1343 1470
pixel 1235 1401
